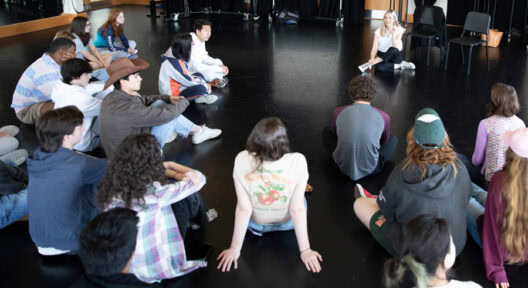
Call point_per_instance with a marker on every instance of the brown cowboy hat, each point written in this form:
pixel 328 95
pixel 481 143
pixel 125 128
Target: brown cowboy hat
pixel 123 67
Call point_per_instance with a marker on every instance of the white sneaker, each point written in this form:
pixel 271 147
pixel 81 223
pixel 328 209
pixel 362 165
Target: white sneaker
pixel 18 156
pixel 364 67
pixel 206 99
pixel 10 129
pixel 404 65
pixel 206 134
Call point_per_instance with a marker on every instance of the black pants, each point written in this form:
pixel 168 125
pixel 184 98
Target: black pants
pixel 190 210
pixel 391 57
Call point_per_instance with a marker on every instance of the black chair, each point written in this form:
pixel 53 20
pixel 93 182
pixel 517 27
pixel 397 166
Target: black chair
pixel 429 24
pixel 475 22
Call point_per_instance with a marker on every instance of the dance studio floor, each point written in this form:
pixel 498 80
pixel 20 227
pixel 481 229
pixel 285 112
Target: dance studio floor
pixel 298 73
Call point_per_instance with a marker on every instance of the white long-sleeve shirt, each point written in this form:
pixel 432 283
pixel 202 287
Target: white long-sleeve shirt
pixel 81 97
pixel 200 60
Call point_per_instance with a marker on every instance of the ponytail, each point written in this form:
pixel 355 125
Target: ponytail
pixel 395 270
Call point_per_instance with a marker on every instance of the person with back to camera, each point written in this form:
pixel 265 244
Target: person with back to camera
pixel 106 249
pixel 490 147
pixel 430 179
pixel 428 252
pixel 386 52
pixel 364 141
pixel 138 178
pixel 270 183
pixel 504 230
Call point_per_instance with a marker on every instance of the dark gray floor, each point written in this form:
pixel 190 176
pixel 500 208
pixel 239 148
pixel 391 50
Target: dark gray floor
pixel 298 73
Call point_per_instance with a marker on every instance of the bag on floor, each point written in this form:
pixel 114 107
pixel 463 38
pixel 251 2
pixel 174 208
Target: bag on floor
pixel 289 17
pixel 495 37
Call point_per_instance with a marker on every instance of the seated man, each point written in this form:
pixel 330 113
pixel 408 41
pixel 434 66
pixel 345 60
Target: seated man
pixel 125 112
pixel 211 68
pixel 364 141
pixel 32 93
pixel 74 89
pixel 106 248
pixel 62 183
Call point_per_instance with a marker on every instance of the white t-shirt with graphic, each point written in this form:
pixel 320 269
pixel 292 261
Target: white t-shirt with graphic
pixel 270 186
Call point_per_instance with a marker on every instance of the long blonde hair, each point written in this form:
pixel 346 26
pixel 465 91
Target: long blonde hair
pixel 383 29
pixel 514 228
pixel 419 156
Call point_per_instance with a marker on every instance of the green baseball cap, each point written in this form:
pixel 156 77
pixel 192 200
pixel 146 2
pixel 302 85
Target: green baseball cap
pixel 428 129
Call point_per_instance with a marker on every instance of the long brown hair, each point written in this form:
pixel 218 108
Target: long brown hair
pixel 419 156
pixel 78 27
pixel 514 228
pixel 118 30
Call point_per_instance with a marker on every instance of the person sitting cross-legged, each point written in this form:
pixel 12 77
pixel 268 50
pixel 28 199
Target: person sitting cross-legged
pixel 106 249
pixel 33 91
pixel 175 79
pixel 125 111
pixel 62 183
pixel 364 141
pixel 74 89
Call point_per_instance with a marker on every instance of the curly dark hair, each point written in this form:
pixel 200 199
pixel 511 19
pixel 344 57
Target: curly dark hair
pixel 361 88
pixel 137 163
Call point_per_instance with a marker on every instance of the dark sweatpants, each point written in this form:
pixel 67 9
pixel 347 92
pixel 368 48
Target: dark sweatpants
pixel 190 210
pixel 391 57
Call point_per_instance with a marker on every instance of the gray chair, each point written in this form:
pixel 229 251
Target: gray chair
pixel 430 25
pixel 475 22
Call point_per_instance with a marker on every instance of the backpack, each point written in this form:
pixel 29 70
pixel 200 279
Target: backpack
pixel 289 17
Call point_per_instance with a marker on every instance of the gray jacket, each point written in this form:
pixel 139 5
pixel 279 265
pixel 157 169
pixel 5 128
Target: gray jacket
pixel 123 114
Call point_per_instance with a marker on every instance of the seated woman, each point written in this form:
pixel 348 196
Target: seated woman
pixel 85 49
pixel 428 252
pixel 111 37
pixel 137 178
pixel 270 184
pixel 431 179
pixel 175 78
pixel 504 231
pixel 386 49
pixel 490 147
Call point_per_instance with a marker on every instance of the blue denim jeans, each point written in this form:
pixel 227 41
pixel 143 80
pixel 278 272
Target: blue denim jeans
pixel 263 228
pixel 477 201
pixel 179 125
pixel 13 207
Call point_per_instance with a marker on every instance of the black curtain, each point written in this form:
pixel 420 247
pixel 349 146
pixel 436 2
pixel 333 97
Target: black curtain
pixel 306 8
pixel 353 10
pixel 458 9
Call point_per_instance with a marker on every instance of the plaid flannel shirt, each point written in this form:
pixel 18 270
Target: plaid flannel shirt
pixel 160 251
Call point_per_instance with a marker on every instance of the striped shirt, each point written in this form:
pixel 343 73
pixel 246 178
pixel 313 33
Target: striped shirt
pixel 36 83
pixel 160 251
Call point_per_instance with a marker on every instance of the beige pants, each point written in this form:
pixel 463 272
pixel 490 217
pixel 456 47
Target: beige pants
pixel 30 114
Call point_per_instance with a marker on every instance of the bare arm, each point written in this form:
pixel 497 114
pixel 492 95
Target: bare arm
pixel 397 38
pixel 374 50
pixel 175 171
pixel 242 216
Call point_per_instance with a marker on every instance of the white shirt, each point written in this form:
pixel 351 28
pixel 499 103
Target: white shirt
pixel 81 97
pixel 460 284
pixel 200 59
pixel 270 186
pixel 385 42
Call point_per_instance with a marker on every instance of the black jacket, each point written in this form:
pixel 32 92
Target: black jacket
pixel 113 281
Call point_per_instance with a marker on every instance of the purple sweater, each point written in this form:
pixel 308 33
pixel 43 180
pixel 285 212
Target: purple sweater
pixel 490 233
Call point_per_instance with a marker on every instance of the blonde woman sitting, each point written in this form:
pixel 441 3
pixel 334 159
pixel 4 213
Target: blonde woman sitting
pixel 386 49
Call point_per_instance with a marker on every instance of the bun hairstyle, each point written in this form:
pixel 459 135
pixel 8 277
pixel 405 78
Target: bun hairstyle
pixel 426 241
